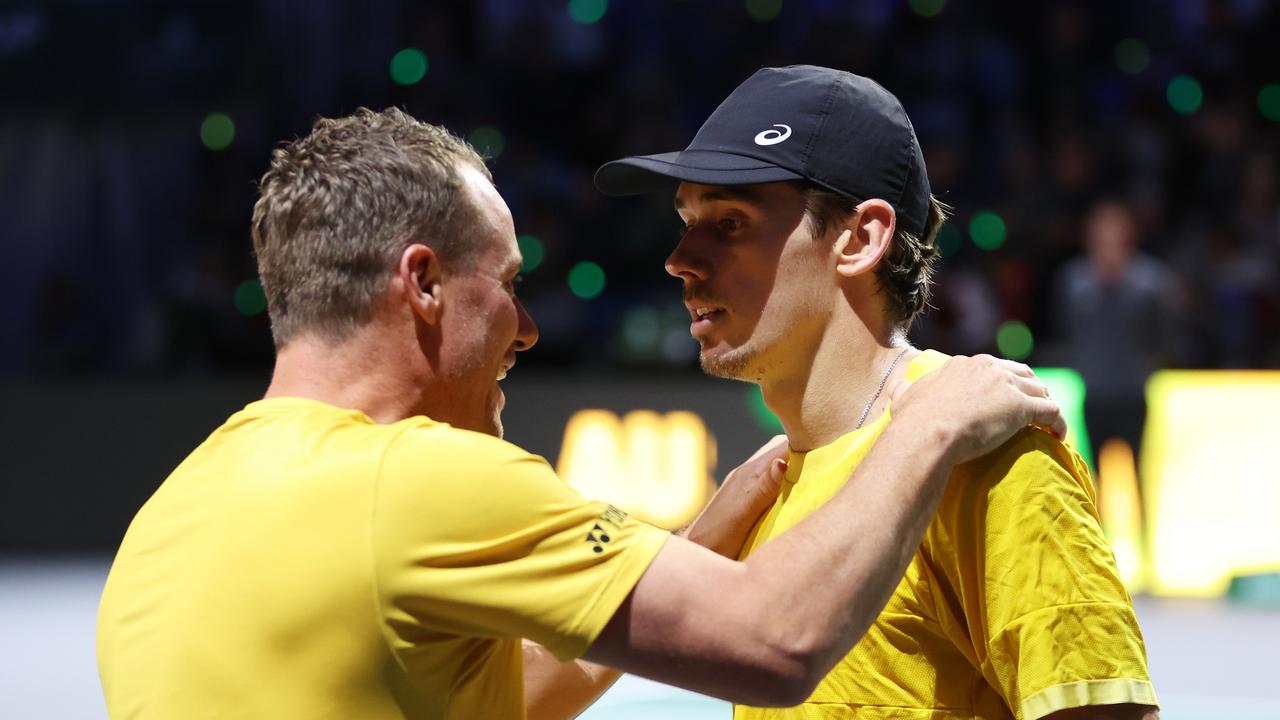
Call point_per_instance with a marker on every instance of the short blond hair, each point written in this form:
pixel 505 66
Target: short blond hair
pixel 338 207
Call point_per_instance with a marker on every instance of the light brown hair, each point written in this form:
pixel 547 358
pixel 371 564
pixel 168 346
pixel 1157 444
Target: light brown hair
pixel 905 273
pixel 337 208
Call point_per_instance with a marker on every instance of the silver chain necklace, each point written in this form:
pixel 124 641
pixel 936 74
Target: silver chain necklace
pixel 880 389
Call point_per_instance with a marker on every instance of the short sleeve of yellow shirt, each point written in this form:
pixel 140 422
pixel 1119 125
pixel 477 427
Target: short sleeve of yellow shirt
pixel 1050 622
pixel 475 537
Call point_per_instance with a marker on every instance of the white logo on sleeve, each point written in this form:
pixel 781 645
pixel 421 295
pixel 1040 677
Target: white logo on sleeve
pixel 773 137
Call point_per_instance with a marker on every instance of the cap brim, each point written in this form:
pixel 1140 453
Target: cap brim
pixel 653 173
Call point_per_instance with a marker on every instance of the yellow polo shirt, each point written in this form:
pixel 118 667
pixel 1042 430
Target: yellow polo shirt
pixel 1011 608
pixel 307 562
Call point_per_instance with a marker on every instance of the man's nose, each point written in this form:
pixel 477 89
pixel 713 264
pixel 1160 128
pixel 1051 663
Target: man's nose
pixel 526 330
pixel 687 262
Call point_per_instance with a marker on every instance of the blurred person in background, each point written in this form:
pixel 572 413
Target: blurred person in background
pixel 807 252
pixel 362 543
pixel 1117 310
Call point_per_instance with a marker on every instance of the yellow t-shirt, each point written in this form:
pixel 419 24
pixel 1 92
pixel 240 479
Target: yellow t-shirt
pixel 306 562
pixel 1011 607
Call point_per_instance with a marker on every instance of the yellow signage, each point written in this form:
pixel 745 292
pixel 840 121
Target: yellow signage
pixel 656 467
pixel 1210 468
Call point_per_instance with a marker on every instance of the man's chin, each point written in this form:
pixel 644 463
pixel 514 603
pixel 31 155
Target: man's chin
pixel 731 365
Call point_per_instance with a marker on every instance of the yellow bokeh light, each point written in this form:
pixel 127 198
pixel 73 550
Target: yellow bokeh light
pixel 1120 508
pixel 656 467
pixel 1213 483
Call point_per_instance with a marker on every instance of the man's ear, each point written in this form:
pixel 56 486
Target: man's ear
pixel 860 246
pixel 419 273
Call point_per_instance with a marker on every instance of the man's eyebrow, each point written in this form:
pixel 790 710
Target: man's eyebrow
pixel 744 193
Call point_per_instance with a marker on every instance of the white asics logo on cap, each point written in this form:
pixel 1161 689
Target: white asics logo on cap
pixel 773 137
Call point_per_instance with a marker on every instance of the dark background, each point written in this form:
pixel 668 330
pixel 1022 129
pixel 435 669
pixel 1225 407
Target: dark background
pixel 128 271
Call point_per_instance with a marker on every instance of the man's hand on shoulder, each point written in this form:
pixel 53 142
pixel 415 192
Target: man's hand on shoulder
pixel 974 404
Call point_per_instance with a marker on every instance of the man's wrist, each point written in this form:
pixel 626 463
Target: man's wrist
pixel 925 436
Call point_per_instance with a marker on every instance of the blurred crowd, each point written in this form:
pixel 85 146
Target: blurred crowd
pixel 1113 166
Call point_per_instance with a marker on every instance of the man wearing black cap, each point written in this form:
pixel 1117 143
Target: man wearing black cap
pixel 807 253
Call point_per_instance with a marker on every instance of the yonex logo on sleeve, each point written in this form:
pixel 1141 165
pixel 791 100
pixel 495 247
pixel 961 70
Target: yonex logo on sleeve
pixel 773 137
pixel 599 535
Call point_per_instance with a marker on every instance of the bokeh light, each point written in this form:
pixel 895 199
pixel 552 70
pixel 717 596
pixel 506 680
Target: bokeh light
pixel 759 412
pixel 987 230
pixel 764 10
pixel 1014 340
pixel 1185 94
pixel 408 66
pixel 249 298
pixel 532 250
pixel 1132 56
pixel 587 12
pixel 927 8
pixel 642 330
pixel 586 280
pixel 1269 101
pixel 217 131
pixel 488 141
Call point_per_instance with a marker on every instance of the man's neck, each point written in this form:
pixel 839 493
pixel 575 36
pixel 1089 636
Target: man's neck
pixel 352 373
pixel 826 399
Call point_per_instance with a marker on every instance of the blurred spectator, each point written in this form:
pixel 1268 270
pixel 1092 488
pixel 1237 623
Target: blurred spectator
pixel 1117 310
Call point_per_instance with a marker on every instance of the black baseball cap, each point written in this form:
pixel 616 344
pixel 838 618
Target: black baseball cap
pixel 841 131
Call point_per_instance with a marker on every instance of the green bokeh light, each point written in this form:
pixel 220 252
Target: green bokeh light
pixel 1014 340
pixel 1269 101
pixel 1132 56
pixel 760 412
pixel 586 280
pixel 763 10
pixel 217 131
pixel 587 12
pixel 927 8
pixel 1185 94
pixel 948 240
pixel 1067 388
pixel 488 141
pixel 249 298
pixel 408 66
pixel 987 230
pixel 532 250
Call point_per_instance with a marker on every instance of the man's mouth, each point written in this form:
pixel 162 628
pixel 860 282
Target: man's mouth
pixel 703 317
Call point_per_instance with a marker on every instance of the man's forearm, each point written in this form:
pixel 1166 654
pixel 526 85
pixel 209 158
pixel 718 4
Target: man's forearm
pixel 556 691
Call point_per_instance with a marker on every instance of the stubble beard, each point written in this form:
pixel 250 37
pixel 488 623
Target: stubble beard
pixel 735 364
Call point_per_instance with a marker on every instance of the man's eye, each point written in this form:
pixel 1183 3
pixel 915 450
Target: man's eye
pixel 730 224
